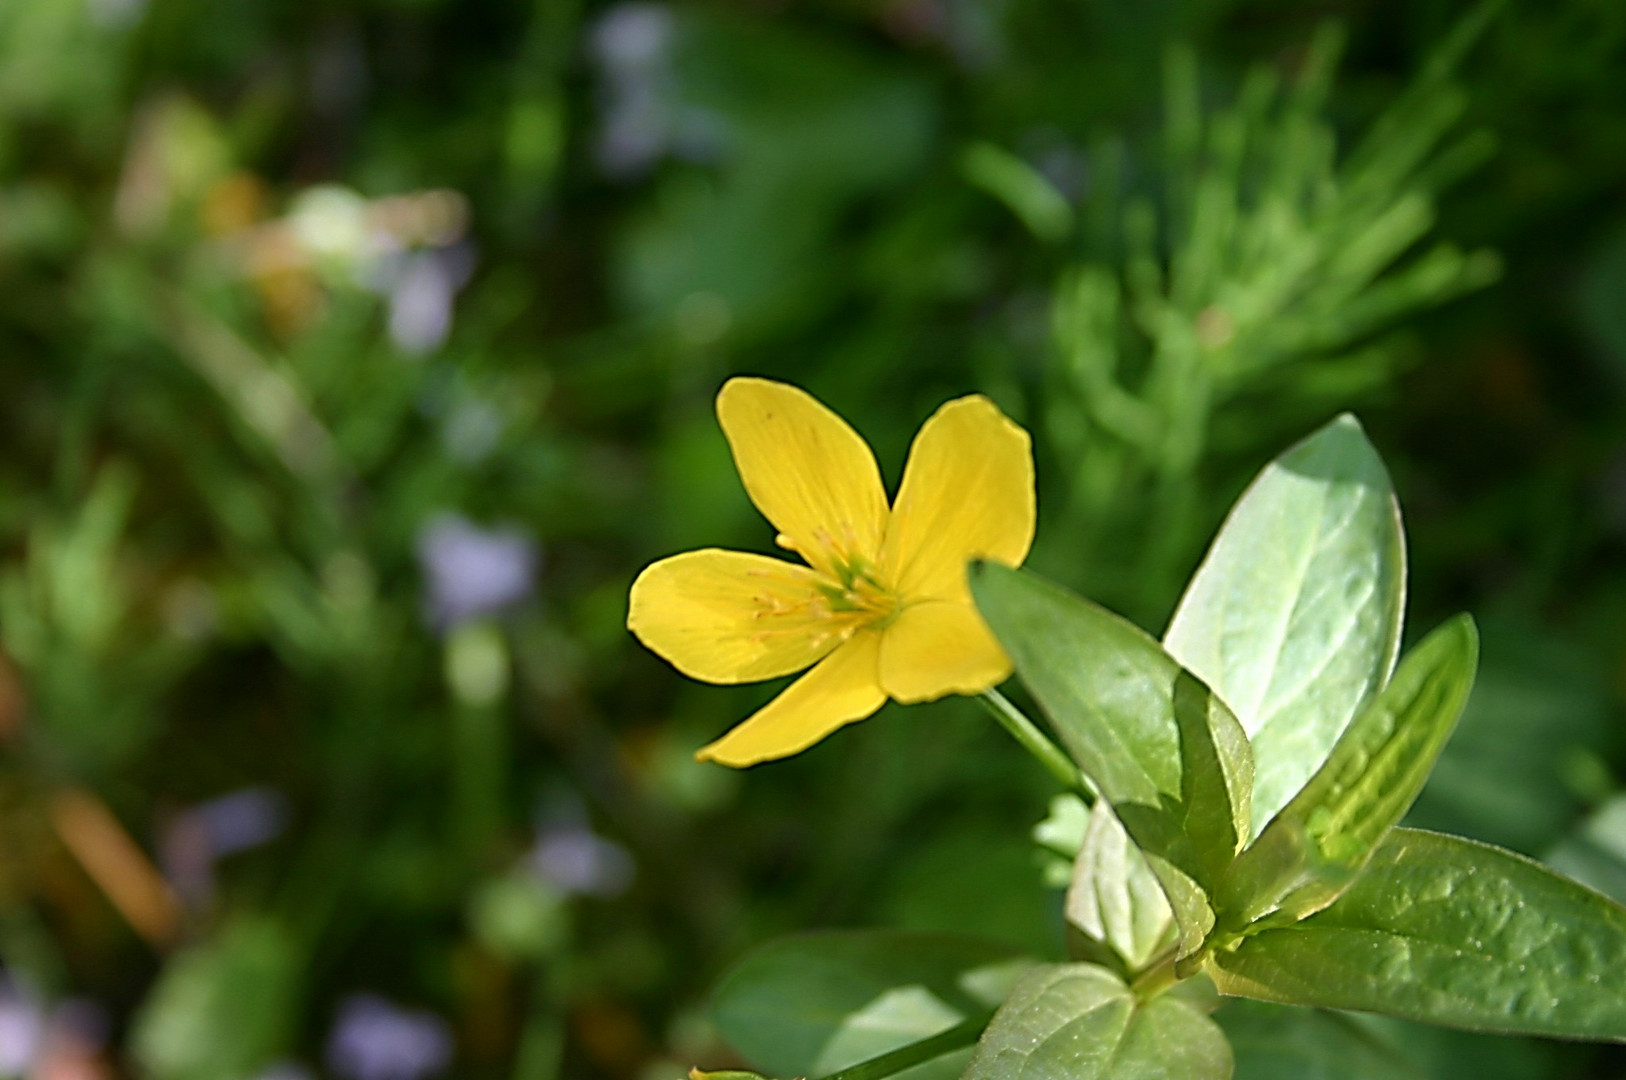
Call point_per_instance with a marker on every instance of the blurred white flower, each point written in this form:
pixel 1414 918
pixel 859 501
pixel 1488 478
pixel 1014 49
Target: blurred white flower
pixel 473 571
pixel 373 1039
pixel 331 222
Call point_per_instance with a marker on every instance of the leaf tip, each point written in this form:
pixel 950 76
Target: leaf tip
pixel 1463 627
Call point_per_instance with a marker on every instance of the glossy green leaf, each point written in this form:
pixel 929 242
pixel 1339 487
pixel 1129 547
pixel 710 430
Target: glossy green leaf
pixel 1294 615
pixel 1081 1022
pixel 1448 931
pixel 1161 747
pixel 815 1003
pixel 1114 896
pixel 1319 842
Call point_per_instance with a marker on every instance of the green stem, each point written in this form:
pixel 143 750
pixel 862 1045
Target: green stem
pixel 1156 979
pixel 905 1057
pixel 1034 741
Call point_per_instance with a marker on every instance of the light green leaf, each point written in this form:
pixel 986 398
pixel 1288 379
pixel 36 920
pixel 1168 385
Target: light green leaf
pixel 1114 896
pixel 1452 932
pixel 1294 616
pixel 1060 837
pixel 221 1009
pixel 1319 842
pixel 815 1003
pixel 1161 747
pixel 1025 190
pixel 1596 854
pixel 1080 1022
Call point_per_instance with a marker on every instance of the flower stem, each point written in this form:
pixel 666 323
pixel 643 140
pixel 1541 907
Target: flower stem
pixel 915 1053
pixel 1156 979
pixel 1035 742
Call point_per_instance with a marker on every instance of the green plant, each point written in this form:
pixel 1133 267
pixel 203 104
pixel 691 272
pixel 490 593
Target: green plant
pixel 1248 776
pixel 1269 267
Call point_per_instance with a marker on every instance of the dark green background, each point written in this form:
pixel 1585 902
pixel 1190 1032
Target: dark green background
pixel 192 606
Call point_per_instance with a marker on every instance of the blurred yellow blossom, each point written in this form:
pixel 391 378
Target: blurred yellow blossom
pixel 882 608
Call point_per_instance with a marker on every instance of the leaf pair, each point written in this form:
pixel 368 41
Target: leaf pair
pixel 1162 749
pixel 1291 623
pixel 1313 849
pixel 1288 633
pixel 1449 931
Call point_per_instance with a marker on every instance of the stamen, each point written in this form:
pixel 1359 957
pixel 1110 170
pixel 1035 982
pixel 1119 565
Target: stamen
pixel 839 608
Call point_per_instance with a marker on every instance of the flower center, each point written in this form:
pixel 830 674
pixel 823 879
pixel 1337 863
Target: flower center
pixel 853 600
pixel 858 593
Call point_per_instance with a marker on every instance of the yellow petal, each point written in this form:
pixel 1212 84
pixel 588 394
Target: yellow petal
pixel 842 689
pixel 967 493
pixel 729 616
pixel 807 471
pixel 940 647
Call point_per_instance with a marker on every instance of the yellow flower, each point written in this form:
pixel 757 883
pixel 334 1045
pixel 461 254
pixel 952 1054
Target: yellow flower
pixel 882 608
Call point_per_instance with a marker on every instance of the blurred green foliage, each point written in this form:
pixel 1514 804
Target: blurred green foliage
pixel 284 289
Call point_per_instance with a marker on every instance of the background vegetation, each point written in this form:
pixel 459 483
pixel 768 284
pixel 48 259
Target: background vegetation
pixel 357 353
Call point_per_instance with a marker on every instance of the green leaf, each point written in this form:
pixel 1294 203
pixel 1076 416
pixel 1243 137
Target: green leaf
pixel 1060 837
pixel 221 1009
pixel 1114 896
pixel 1319 842
pixel 1294 616
pixel 1080 1022
pixel 1274 1042
pixel 815 1003
pixel 1448 931
pixel 1025 190
pixel 1541 710
pixel 1596 854
pixel 1161 747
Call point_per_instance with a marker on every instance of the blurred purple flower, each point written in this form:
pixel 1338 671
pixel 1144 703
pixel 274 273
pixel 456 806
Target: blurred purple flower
pixel 632 43
pixel 208 831
pixel 82 1023
pixel 22 1029
pixel 472 571
pixel 574 859
pixel 244 819
pixel 421 297
pixel 634 38
pixel 373 1039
